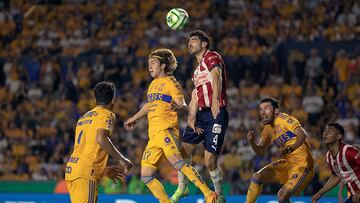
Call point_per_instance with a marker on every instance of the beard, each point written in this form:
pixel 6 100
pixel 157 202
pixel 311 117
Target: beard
pixel 270 120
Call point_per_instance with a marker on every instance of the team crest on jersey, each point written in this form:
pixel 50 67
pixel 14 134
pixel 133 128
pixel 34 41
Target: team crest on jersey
pixel 167 140
pixel 290 121
pixel 294 176
pixel 161 87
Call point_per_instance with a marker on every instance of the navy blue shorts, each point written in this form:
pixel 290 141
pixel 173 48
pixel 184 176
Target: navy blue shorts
pixel 349 200
pixel 214 130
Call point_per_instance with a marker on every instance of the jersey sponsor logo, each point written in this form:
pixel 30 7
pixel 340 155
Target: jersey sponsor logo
pixel 282 139
pixel 158 97
pixel 216 128
pixel 200 79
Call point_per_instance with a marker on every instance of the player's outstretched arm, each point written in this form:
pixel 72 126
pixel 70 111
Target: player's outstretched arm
pixel 130 123
pixel 103 139
pixel 332 182
pixel 260 147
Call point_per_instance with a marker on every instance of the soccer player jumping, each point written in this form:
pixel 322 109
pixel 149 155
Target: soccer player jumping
pixel 208 117
pixel 164 100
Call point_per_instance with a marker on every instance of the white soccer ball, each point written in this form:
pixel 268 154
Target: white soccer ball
pixel 177 19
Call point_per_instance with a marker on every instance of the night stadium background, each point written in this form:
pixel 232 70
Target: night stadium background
pixel 52 53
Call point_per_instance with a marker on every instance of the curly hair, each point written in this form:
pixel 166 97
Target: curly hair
pixel 167 57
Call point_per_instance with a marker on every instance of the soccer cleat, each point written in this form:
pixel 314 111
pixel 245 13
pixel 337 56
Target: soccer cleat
pixel 212 198
pixel 179 193
pixel 221 199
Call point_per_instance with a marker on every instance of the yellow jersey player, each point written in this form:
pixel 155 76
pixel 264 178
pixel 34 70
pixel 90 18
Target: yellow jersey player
pixel 164 99
pixel 296 169
pixel 92 147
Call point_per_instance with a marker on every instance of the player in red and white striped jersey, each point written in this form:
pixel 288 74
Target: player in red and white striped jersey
pixel 344 163
pixel 208 117
pixel 204 80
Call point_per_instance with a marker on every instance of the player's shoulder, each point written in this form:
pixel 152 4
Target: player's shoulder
pixel 172 80
pixel 211 55
pixel 286 118
pixel 350 150
pixel 104 113
pixel 267 129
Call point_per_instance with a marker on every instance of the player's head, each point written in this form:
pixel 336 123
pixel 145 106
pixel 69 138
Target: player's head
pixel 268 108
pixel 333 133
pixel 198 42
pixel 162 61
pixel 105 94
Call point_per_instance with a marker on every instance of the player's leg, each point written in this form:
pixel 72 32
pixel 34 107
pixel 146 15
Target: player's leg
pixel 274 172
pixel 189 141
pixel 82 190
pixel 299 177
pixel 214 134
pixel 156 188
pixel 172 153
pixel 186 152
pixel 151 156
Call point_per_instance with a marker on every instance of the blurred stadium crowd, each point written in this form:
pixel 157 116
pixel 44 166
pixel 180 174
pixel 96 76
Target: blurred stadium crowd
pixel 52 54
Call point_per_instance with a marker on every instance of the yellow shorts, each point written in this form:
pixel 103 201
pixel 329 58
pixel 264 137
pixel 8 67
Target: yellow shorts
pixel 295 178
pixel 165 142
pixel 82 190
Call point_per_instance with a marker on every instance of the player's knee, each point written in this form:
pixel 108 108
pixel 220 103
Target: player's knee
pixel 257 177
pixel 210 163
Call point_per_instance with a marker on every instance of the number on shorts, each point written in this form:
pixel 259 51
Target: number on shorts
pixel 215 140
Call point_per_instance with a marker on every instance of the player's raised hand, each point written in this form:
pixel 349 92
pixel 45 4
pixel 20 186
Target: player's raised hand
pixel 130 123
pixel 250 135
pixel 127 164
pixel 115 173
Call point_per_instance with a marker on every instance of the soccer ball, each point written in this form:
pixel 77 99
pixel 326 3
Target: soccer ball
pixel 177 19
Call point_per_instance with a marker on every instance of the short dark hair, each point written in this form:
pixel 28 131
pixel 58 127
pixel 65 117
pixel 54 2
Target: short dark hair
pixel 338 127
pixel 274 102
pixel 202 36
pixel 104 92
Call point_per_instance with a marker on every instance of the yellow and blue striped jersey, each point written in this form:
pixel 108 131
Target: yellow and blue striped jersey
pixel 159 96
pixel 88 160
